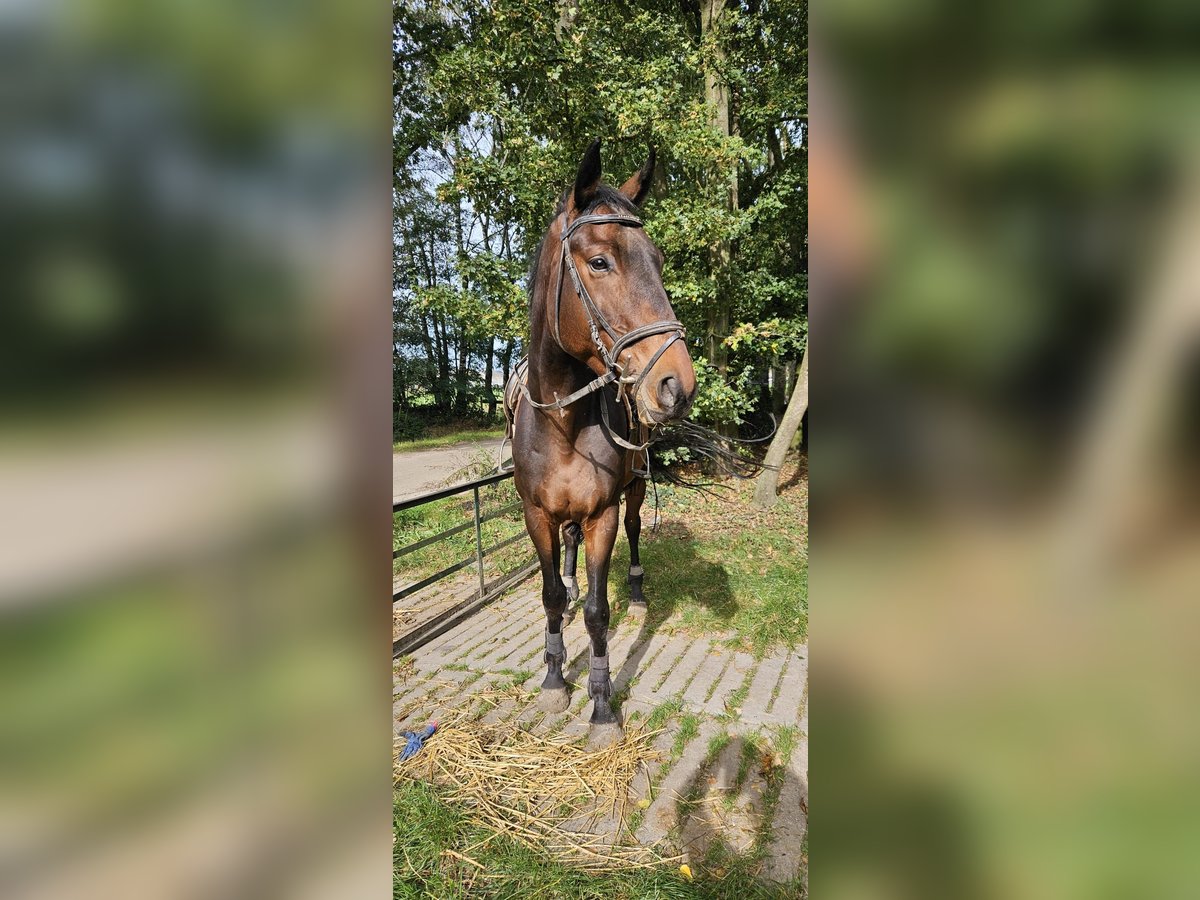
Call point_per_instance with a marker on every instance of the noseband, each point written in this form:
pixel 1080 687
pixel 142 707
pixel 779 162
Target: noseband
pixel 597 322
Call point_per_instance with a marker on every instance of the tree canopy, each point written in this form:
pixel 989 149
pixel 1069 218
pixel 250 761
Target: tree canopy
pixel 493 105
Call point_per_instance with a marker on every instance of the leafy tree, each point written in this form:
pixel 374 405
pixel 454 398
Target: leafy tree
pixel 494 104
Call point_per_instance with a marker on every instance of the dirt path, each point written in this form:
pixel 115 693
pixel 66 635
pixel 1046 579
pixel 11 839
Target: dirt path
pixel 417 471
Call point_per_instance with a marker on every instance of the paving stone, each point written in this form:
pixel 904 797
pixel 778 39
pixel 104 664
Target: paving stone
pixel 639 787
pixel 640 657
pixel 662 812
pixel 735 674
pixel 754 707
pixel 783 856
pixel 620 642
pixel 504 711
pixel 446 647
pixel 529 715
pixel 418 708
pixel 492 641
pixel 576 728
pixel 513 643
pixel 532 641
pixel 694 658
pixel 697 691
pixel 725 766
pixel 786 708
pixel 651 675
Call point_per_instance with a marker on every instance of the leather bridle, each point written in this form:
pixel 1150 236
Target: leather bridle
pixel 597 323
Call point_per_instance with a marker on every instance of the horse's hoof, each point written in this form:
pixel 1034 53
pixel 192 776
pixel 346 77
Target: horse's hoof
pixel 572 586
pixel 553 700
pixel 568 615
pixel 637 610
pixel 602 736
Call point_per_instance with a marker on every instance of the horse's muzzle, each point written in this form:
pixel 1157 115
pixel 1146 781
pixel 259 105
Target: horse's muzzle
pixel 673 401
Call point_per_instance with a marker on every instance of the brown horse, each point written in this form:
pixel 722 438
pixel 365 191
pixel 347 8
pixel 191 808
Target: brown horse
pixel 607 364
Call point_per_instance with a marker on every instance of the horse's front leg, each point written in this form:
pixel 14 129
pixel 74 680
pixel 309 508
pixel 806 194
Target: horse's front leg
pixel 572 535
pixel 553 697
pixel 599 535
pixel 635 496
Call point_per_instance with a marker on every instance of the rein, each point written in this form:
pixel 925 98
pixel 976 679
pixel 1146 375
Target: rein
pixel 596 323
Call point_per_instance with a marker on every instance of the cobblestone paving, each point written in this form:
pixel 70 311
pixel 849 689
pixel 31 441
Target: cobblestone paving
pixel 729 714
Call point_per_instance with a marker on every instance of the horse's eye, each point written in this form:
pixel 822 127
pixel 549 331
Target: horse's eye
pixel 598 264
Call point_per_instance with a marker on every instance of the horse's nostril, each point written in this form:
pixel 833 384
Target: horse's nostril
pixel 670 393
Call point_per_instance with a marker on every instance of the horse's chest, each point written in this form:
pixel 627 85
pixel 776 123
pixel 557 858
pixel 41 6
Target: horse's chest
pixel 571 486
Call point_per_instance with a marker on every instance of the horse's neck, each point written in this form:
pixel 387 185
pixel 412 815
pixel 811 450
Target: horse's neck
pixel 553 374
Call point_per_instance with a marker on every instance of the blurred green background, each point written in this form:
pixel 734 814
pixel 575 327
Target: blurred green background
pixel 1006 291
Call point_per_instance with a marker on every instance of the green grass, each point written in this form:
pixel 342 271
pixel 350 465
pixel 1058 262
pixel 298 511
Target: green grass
pixel 734 701
pixel 719 565
pixel 412 525
pixel 663 714
pixel 426 827
pixel 689 727
pixel 449 439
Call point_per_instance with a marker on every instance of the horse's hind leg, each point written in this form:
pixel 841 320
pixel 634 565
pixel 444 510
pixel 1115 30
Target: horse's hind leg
pixel 600 534
pixel 553 697
pixel 635 496
pixel 572 535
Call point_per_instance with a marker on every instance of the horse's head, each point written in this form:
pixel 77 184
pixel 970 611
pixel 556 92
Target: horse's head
pixel 612 312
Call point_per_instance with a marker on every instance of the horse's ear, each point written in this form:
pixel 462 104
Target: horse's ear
pixel 638 185
pixel 587 179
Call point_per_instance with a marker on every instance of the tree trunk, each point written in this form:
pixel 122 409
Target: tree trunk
pixel 780 382
pixel 461 384
pixel 768 481
pixel 488 369
pixel 442 389
pixel 506 361
pixel 717 97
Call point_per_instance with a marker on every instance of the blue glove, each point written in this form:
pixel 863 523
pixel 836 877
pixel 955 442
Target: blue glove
pixel 415 740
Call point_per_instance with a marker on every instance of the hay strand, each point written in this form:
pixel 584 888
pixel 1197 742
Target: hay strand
pixel 541 792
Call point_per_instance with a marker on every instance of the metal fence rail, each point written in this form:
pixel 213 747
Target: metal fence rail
pixel 484 593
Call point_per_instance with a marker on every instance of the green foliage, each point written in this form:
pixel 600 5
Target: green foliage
pixel 494 105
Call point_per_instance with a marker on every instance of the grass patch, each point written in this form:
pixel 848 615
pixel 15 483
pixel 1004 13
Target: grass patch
pixel 717 564
pixel 412 525
pixel 752 752
pixel 521 676
pixel 449 439
pixel 689 727
pixel 735 700
pixel 437 853
pixel 663 714
pixel 717 743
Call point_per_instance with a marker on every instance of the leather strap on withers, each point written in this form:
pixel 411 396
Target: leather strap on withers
pixel 611 357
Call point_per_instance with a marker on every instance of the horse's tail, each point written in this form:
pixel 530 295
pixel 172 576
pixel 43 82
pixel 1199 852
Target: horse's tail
pixel 686 443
